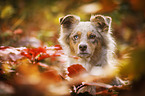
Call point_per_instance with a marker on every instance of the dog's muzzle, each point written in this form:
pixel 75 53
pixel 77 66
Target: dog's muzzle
pixel 83 51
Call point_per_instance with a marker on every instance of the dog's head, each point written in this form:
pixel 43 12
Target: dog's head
pixel 84 38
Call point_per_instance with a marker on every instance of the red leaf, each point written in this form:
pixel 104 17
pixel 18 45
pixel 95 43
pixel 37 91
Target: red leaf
pixel 32 53
pixel 43 57
pixel 4 47
pixel 58 47
pixel 76 70
pixel 37 54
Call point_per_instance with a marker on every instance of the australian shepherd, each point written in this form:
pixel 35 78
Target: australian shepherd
pixel 91 41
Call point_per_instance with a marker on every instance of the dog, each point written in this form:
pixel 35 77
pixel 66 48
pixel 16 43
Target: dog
pixel 91 41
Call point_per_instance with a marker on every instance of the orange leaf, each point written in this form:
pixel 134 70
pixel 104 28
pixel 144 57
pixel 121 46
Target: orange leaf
pixel 76 70
pixel 52 75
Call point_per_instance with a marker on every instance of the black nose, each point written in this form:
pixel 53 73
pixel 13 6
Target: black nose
pixel 83 47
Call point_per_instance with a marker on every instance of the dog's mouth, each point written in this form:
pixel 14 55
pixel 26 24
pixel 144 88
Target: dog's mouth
pixel 84 55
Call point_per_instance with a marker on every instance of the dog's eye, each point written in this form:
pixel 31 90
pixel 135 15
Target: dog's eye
pixel 76 37
pixel 92 36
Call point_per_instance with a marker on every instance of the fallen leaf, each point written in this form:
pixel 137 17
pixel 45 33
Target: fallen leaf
pixel 76 70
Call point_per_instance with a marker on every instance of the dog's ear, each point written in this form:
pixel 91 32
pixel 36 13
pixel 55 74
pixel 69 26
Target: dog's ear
pixel 69 21
pixel 108 20
pixel 101 22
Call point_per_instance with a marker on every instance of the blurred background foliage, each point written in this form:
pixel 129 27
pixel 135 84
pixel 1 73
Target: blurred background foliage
pixel 34 23
pixel 20 20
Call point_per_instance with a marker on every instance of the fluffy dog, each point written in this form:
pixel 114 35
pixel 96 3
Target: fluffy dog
pixel 91 41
